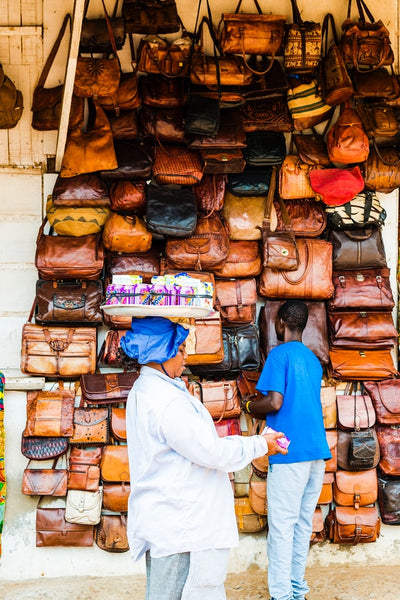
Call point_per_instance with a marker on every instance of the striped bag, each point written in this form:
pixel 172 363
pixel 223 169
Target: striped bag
pixel 305 104
pixel 363 210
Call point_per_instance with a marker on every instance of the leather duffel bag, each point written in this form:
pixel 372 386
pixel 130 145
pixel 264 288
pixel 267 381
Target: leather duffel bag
pixel 126 233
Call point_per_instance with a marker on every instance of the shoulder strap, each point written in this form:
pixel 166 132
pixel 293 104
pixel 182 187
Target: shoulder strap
pixel 328 19
pixel 296 13
pixel 255 2
pixel 53 52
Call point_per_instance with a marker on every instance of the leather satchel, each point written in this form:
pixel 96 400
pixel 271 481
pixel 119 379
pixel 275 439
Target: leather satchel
pixel 83 507
pixel 312 280
pixel 95 37
pixel 115 464
pixel 347 525
pixel 294 180
pixel 134 160
pixel 91 426
pixel 86 191
pixel 170 210
pixel 50 412
pixel 360 365
pixel 126 233
pixel 311 148
pixel 389 444
pixel 389 499
pixel 357 249
pixel 361 289
pixel 84 469
pixel 157 55
pixel 362 329
pixel 107 388
pixel 111 534
pixel 302 48
pixel 382 169
pixel 115 496
pixel 355 489
pixel 53 530
pixel 154 16
pixel 217 162
pixel 377 83
pixel 318 529
pixel 44 482
pixel 68 302
pixel 386 400
pixel 58 351
pixel 236 300
pixel 118 423
pixel 346 140
pixel 243 260
pixel 221 398
pixel 247 520
pixel 355 411
pixel 146 264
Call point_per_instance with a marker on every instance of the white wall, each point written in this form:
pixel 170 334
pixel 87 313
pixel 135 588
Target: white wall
pixel 23 187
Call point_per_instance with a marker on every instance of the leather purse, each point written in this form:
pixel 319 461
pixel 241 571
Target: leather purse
pixel 311 147
pixel 83 507
pixel 177 165
pixel 294 180
pixel 91 426
pixel 134 160
pixel 388 499
pixel 364 210
pixel 50 412
pixel 206 248
pixel 389 444
pixel 58 351
pixel 221 398
pixel 115 464
pixel 357 249
pixel 202 116
pixel 126 98
pixel 347 525
pixel 355 411
pixel 156 16
pixel 115 496
pixel 170 210
pixel 302 47
pixel 44 482
pixel 247 520
pixel 357 450
pixel 326 494
pixel 229 135
pixel 43 447
pixel 307 217
pixel 386 400
pixel 264 148
pixel 68 302
pixel 377 83
pixel 118 423
pixel 315 334
pixel 65 257
pixel 159 56
pixel 361 289
pixel 86 190
pixel 125 125
pixel 355 489
pixel 362 329
pixel 243 260
pixel 236 300
pixel 266 114
pixel 128 196
pixel 379 119
pixel 107 388
pixel 312 280
pixel 209 194
pixel 305 103
pixel 158 91
pixel 208 346
pixel 53 530
pixel 126 233
pixel 95 37
pixel 111 534
pixel 382 169
pixel 166 125
pixel 84 469
pixel 329 408
pixel 360 365
pixel 218 162
pixel 347 141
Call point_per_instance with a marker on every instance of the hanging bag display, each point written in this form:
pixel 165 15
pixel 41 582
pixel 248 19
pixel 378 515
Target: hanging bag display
pixel 302 46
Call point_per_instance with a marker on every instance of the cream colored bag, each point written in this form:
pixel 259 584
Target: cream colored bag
pixel 244 215
pixel 83 507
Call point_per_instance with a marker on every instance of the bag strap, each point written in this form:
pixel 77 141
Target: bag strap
pixel 53 52
pixel 296 13
pixel 328 20
pixel 266 224
pixel 255 2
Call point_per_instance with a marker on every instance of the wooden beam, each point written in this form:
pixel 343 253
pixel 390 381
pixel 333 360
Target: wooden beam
pixel 21 31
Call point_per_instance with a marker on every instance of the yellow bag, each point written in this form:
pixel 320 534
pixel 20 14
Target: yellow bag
pixel 76 221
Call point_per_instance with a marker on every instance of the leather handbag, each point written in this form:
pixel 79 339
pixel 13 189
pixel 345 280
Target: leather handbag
pixel 229 134
pixel 158 91
pixel 166 125
pixel 84 469
pixel 264 148
pixel 170 210
pixel 111 534
pixel 389 499
pixel 389 444
pixel 206 248
pixel 217 162
pixel 177 165
pixel 364 210
pixel 202 116
pixel 43 447
pixel 58 351
pixel 75 221
pixel 266 114
pixel 382 169
pixel 90 150
pixel 362 329
pixel 50 412
pixel 65 257
pixel 359 365
pixel 128 196
pixel 208 348
pixel 379 118
pixel 86 190
pixel 47 102
pixel 312 280
pixel 247 520
pixel 249 182
pixel 221 398
pixel 235 299
pixel 95 37
pixel 302 46
pixel 347 525
pixel 361 289
pixel 311 147
pixel 118 423
pixel 315 334
pixel 329 408
pixel 365 43
pixel 326 494
pixel 53 530
pixel 146 264
pixel 334 79
pixel 157 55
pixel 11 102
pixel 209 194
pixel 243 260
pixel 107 388
pixel 357 249
pixel 258 494
pixel 386 400
pixel 44 482
pixel 126 98
pixel 126 233
pixel 83 507
pixel 357 450
pixel 355 489
pixel 294 180
pixel 336 185
pixel 346 140
pixel 156 16
pixel 91 426
pixel 115 464
pixel 355 411
pixel 68 303
pixel 307 217
pixel 124 126
pixel 305 103
pixel 115 496
pixel 134 160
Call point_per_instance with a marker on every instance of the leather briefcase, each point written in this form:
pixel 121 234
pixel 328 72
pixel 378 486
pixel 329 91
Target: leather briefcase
pixel 68 302
pixel 53 530
pixel 361 289
pixel 385 396
pixel 221 398
pixel 347 525
pixel 359 365
pixel 84 469
pixel 352 488
pixel 107 388
pixel 115 464
pixel 50 412
pixel 362 329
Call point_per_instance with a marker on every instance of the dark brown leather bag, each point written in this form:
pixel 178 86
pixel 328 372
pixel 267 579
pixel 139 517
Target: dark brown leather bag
pixel 362 289
pixel 129 196
pixel 84 469
pixel 146 264
pixel 65 302
pixel 382 169
pixel 163 92
pixel 164 124
pixel 389 444
pixel 315 334
pixel 266 114
pixel 156 16
pixel 68 257
pixel 385 396
pixel 95 37
pixel 347 525
pixel 362 329
pixel 44 482
pixel 86 190
pixel 360 365
pixel 311 148
pixel 91 426
pixel 388 499
pixel 218 162
pixel 107 388
pixel 345 458
pixel 243 260
pixel 357 249
pixel 307 217
pixel 125 125
pixel 115 496
pixel 352 488
pixel 115 464
pixel 236 300
pixel 53 530
pixel 209 194
pixel 50 412
pixel 230 133
pixel 111 533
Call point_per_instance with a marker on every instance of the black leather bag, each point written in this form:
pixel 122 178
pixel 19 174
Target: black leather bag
pixel 251 182
pixel 202 115
pixel 170 210
pixel 264 148
pixel 362 449
pixel 135 160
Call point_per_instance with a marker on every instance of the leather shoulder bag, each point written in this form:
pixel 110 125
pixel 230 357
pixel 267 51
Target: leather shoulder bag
pixel 156 16
pixel 91 426
pixel 359 365
pixel 110 534
pixel 362 329
pixel 307 216
pixel 170 210
pixel 348 525
pixel 346 140
pixel 107 388
pixel 84 468
pixel 86 190
pixel 125 233
pixel 68 302
pixel 356 249
pixel 44 481
pixel 221 398
pixel 95 37
pixel 355 489
pixel 53 530
pixel 385 397
pixel 244 260
pixel 236 300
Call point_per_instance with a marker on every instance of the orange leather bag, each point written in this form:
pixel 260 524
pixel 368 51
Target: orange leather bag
pixel 50 412
pixel 126 233
pixel 355 488
pixel 385 396
pixel 294 180
pixel 247 520
pixel 209 347
pixel 84 469
pixel 114 465
pixel 359 365
pixel 243 260
pixel 346 140
pixel 118 423
pixel 347 525
pixel 329 408
pixel 326 495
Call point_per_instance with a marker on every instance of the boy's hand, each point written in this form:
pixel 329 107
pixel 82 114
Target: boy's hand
pixel 273 446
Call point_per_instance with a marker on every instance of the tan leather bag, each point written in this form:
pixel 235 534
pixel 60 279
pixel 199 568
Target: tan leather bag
pixel 111 534
pixel 258 494
pixel 221 398
pixel 347 525
pixel 244 216
pixel 44 482
pixel 312 280
pixel 91 426
pixel 326 495
pixel 118 423
pixel 355 488
pixel 357 365
pixel 318 529
pixel 355 411
pixel 329 408
pixel 53 530
pixel 247 520
pixel 209 348
pixel 84 469
pixel 115 464
pixel 126 233
pixel 294 181
pixel 236 300
pixel 115 496
pixel 50 412
pixel 331 465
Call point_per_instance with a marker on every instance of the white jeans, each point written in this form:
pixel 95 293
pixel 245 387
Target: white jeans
pixel 292 491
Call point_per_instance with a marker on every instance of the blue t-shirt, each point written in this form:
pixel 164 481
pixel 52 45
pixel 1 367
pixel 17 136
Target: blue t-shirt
pixel 294 371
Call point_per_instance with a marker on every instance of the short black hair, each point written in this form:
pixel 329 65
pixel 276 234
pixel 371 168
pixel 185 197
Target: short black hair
pixel 294 313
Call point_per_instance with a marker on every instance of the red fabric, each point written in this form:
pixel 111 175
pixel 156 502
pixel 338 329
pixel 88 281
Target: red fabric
pixel 336 186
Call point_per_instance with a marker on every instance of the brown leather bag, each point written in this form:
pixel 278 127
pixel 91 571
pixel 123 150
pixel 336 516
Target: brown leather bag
pixel 382 169
pixel 294 181
pixel 347 525
pixel 307 217
pixel 244 215
pixel 209 194
pixel 357 249
pixel 177 165
pixel 355 411
pixel 111 533
pixel 158 91
pixel 363 289
pixel 115 464
pixel 318 529
pixel 126 233
pixel 84 469
pixel 206 248
pixel 91 426
pixel 389 444
pixel 128 196
pixel 236 300
pixel 385 396
pixel 66 302
pixel 44 482
pixel 359 365
pixel 118 423
pixel 230 133
pixel 243 260
pixel 67 257
pixel 311 147
pixel 326 495
pixel 352 488
pixel 58 351
pixel 221 398
pixel 258 494
pixel 115 496
pixel 217 162
pixel 107 388
pixel 266 114
pixel 165 124
pixel 346 140
pixel 208 347
pixel 157 55
pixel 53 530
pixel 84 191
pixel 146 264
pixel 312 280
pixel 315 334
pixel 247 520
pixel 50 412
pixel 362 329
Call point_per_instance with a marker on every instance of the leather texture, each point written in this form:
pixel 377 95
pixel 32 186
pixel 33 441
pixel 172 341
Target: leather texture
pixel 209 347
pixel 115 496
pixel 106 388
pixel 49 413
pixel 44 482
pixel 294 181
pixel 86 190
pixel 118 423
pixel 170 210
pixel 221 398
pixel 111 533
pixel 53 530
pixel 385 397
pixel 129 196
pixel 389 499
pixel 114 464
pixel 91 426
pixel 66 303
pixel 347 525
pixel 368 450
pixel 236 300
pixel 157 55
pixel 157 17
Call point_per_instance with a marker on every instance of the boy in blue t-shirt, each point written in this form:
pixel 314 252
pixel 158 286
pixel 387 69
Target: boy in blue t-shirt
pixel 290 383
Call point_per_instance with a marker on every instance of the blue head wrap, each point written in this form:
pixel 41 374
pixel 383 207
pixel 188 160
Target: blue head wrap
pixel 153 339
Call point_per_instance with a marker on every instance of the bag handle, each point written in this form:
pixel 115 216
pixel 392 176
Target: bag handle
pixel 361 7
pixel 384 160
pixel 296 13
pixel 301 278
pixel 255 2
pixel 53 52
pixel 328 20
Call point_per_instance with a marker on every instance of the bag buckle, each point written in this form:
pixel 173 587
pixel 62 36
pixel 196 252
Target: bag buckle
pixel 58 345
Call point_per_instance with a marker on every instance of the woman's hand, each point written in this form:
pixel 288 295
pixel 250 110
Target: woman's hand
pixel 273 446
